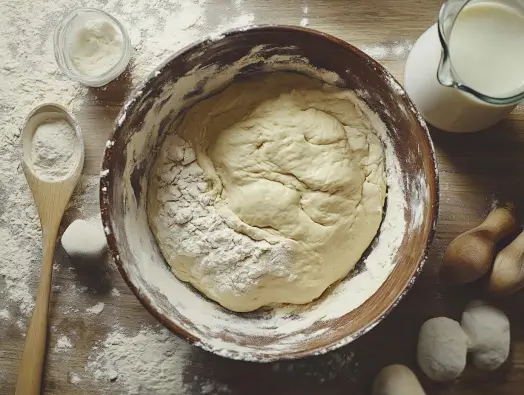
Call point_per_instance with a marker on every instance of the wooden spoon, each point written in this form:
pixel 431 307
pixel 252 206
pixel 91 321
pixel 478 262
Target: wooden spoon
pixel 51 198
pixel 508 270
pixel 470 255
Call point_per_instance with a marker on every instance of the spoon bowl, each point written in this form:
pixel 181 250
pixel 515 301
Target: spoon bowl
pixel 51 197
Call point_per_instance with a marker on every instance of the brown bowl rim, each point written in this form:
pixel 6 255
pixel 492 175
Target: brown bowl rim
pixel 108 160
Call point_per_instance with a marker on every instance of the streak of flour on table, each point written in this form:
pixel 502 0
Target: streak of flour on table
pixel 150 361
pixel 63 343
pixel 96 309
pixel 305 19
pixel 153 361
pixel 388 51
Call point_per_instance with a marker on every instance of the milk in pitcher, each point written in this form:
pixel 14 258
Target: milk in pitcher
pixel 486 65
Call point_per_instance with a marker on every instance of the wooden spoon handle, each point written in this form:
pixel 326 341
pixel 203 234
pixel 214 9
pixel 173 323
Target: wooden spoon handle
pixel 31 365
pixel 508 271
pixel 501 222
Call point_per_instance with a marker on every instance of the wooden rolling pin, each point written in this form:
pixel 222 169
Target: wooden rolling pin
pixel 470 255
pixel 508 271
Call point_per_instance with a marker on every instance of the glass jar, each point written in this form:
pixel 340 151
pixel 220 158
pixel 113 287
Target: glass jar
pixel 63 40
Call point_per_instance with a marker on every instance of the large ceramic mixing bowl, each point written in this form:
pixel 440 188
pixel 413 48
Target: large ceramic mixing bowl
pixel 338 316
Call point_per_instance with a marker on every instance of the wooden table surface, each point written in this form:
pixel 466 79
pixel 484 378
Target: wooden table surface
pixel 475 171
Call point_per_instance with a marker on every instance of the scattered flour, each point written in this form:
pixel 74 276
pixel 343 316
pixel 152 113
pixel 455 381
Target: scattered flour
pixel 305 20
pixel 213 388
pixel 85 198
pixel 239 21
pixel 115 292
pixel 74 378
pixel 4 314
pixel 156 35
pixel 29 77
pixel 63 343
pixel 96 309
pixel 150 362
pixel 388 51
pixel 494 203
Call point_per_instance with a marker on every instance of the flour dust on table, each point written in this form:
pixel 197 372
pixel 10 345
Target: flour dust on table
pixel 63 343
pixel 158 364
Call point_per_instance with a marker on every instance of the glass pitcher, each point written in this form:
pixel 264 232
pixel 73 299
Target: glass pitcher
pixel 453 86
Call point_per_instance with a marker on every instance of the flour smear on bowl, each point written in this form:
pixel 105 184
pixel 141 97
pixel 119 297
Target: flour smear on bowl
pixel 292 325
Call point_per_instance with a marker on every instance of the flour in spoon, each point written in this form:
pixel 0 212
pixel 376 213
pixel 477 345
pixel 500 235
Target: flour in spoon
pixel 54 149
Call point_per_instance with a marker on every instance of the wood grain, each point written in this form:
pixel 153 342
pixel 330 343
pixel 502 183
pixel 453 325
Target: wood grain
pixel 475 170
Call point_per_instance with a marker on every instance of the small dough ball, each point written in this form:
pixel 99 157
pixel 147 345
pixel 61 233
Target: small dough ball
pixel 442 349
pixel 84 240
pixel 396 380
pixel 488 330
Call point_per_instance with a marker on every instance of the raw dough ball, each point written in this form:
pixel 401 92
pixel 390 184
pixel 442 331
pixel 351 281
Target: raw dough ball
pixel 288 162
pixel 489 333
pixel 442 349
pixel 396 380
pixel 84 240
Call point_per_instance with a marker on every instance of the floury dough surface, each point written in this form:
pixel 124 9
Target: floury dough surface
pixel 272 192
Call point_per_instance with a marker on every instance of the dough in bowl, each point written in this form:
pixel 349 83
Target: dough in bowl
pixel 269 191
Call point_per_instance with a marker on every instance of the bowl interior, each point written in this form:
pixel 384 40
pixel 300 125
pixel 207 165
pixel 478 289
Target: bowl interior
pixel 289 331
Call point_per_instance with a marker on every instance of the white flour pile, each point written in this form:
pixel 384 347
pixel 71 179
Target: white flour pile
pixel 74 378
pixel 97 46
pixel 54 149
pixel 63 344
pixel 4 314
pixel 96 309
pixel 154 366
